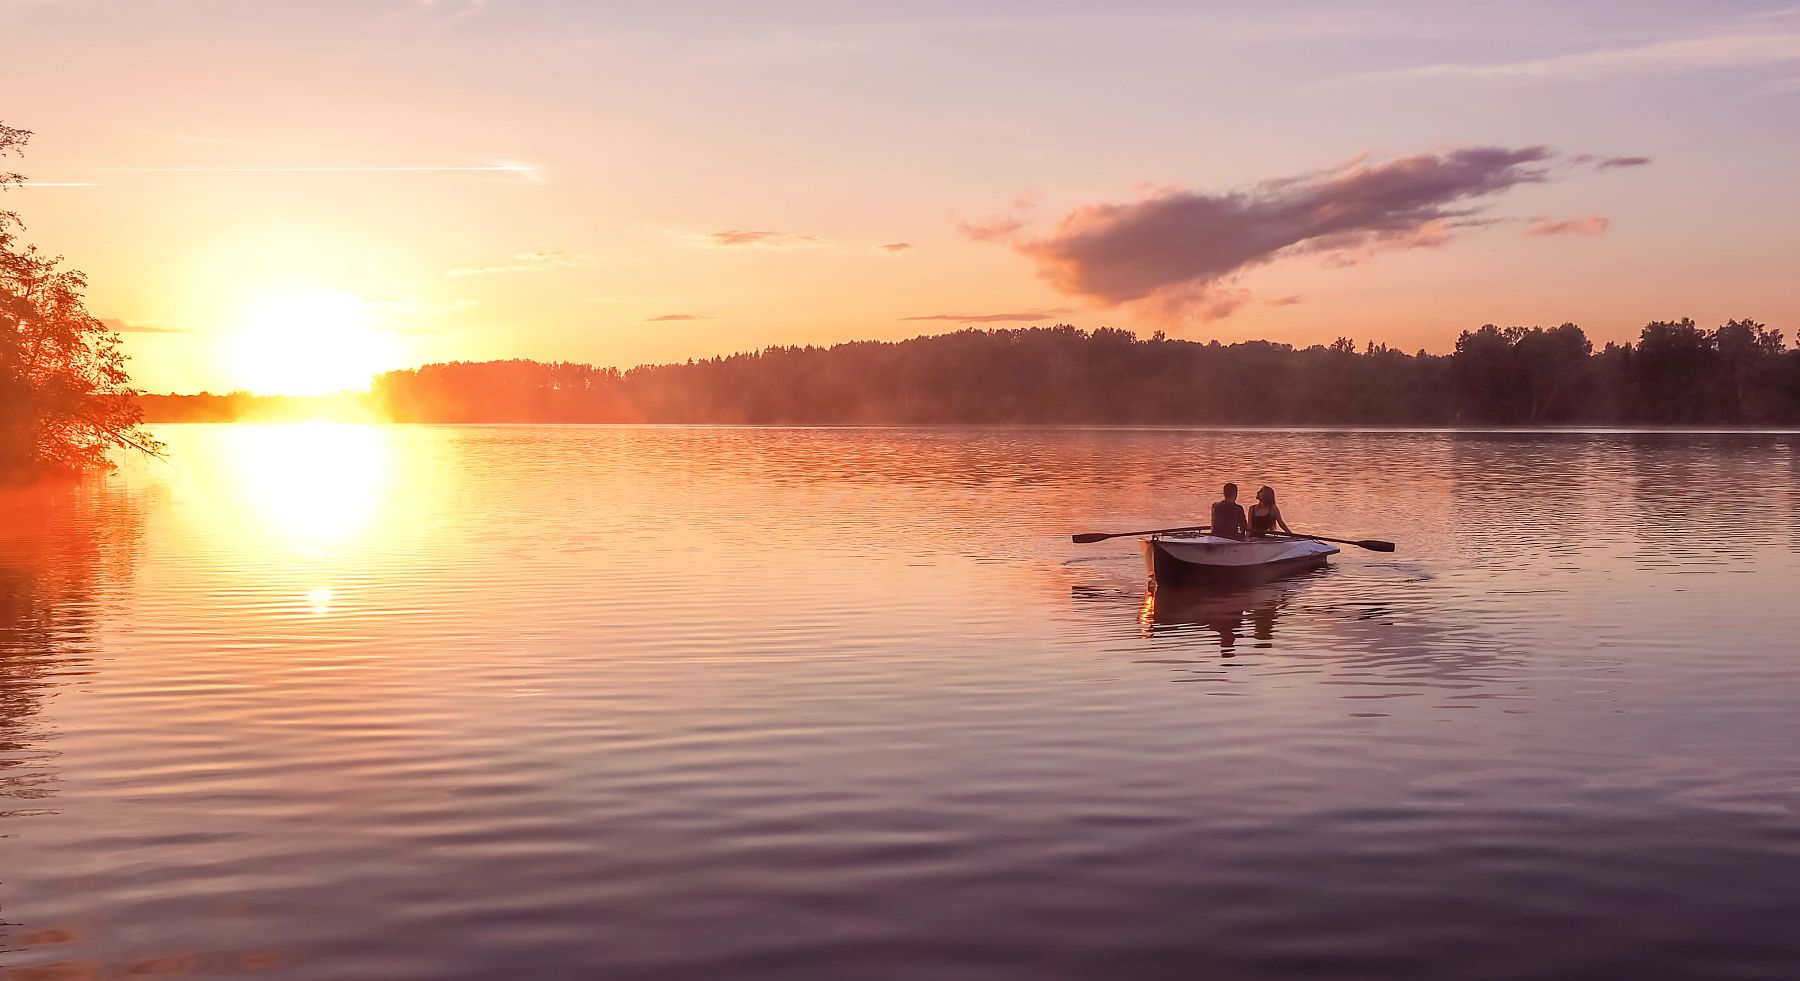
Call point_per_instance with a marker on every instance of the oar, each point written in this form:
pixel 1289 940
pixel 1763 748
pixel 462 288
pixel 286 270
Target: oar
pixel 1372 544
pixel 1098 536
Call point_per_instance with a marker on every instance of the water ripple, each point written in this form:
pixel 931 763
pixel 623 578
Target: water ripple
pixel 822 703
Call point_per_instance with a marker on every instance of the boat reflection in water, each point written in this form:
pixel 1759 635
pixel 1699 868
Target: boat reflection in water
pixel 1244 615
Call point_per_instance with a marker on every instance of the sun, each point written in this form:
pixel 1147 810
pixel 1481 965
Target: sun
pixel 308 343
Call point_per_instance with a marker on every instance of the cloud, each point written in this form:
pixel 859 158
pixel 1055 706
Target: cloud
pixel 994 318
pixel 1177 251
pixel 1591 225
pixel 537 260
pixel 1356 248
pixel 993 229
pixel 740 237
pixel 895 246
pixel 128 327
pixel 1731 46
pixel 676 316
pixel 1283 301
pixel 1001 227
pixel 1607 163
pixel 1202 301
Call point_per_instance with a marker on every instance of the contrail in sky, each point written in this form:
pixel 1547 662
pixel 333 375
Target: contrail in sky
pixel 525 171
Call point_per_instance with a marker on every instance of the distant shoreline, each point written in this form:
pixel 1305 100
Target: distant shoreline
pixel 1678 376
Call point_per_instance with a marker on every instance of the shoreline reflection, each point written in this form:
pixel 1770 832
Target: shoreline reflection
pixel 65 552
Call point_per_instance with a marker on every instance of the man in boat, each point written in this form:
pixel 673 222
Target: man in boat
pixel 1228 519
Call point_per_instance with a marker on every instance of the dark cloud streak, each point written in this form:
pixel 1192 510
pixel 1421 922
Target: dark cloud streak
pixel 1591 225
pixel 1607 163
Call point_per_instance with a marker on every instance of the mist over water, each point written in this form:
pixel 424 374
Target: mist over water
pixel 416 702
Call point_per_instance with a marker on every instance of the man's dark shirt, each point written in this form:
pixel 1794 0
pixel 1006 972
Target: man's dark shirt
pixel 1228 520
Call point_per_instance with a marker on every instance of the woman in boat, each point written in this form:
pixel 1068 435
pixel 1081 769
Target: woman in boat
pixel 1265 517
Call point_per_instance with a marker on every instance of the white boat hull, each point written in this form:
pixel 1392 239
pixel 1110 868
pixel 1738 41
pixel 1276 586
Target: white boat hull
pixel 1204 558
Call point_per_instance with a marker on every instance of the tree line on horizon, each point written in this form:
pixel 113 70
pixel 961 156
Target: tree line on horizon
pixel 1676 373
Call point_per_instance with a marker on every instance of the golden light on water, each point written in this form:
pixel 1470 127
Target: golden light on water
pixel 311 485
pixel 311 342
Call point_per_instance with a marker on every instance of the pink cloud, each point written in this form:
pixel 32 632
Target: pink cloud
pixel 997 229
pixel 1199 301
pixel 1003 227
pixel 1178 251
pixel 1029 316
pixel 741 237
pixel 895 246
pixel 1591 225
pixel 1355 249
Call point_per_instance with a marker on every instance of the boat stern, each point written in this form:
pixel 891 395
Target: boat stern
pixel 1204 559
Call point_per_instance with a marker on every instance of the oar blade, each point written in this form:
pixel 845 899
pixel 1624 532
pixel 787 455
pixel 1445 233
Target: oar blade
pixel 1090 538
pixel 1376 545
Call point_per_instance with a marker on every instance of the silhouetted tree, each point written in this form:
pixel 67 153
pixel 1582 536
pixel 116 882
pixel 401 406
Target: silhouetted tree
pixel 1673 373
pixel 1553 365
pixel 65 398
pixel 1486 379
pixel 1750 367
pixel 1521 375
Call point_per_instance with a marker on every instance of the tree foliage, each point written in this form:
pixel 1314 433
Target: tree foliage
pixel 65 397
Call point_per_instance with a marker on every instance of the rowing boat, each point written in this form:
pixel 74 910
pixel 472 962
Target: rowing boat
pixel 1196 557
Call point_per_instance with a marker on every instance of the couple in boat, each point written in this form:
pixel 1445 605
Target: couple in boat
pixel 1230 521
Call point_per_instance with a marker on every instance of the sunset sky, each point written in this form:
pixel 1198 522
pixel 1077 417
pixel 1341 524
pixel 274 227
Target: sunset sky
pixel 288 196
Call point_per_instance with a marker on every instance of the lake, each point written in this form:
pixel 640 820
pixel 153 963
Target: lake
pixel 326 701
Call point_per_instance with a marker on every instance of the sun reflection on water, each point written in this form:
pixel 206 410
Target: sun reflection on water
pixel 312 485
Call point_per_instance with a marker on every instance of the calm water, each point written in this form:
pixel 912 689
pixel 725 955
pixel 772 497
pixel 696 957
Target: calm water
pixel 336 702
